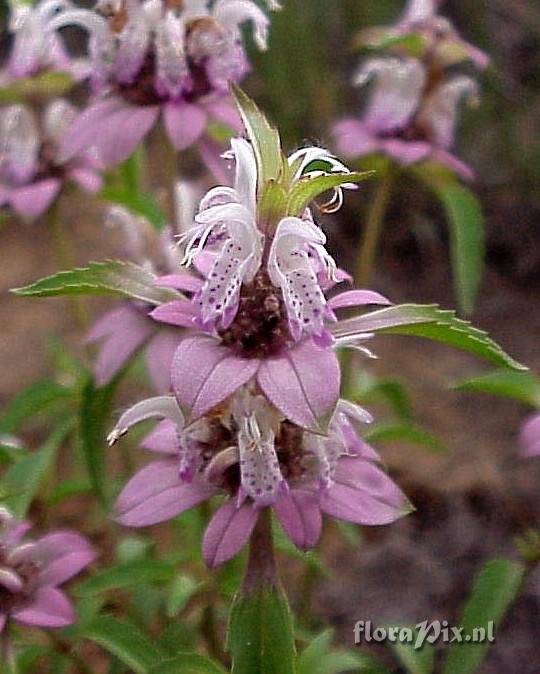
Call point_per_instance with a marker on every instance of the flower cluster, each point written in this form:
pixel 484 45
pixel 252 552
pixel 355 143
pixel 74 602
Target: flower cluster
pixel 412 108
pixel 30 572
pixel 32 171
pixel 155 56
pixel 256 413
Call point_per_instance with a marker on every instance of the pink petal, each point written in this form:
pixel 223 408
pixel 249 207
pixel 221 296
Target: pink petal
pixel 300 516
pixel 529 436
pixel 184 281
pixel 156 494
pixel 159 356
pixel 223 110
pixel 364 494
pixel 177 312
pixel 303 383
pixel 355 298
pixel 109 322
pixel 210 152
pixel 62 555
pixel 184 122
pixel 353 138
pixel 87 178
pixel 49 607
pixel 227 532
pixel 205 373
pixel 33 200
pixel 453 163
pixel 163 438
pixel 406 152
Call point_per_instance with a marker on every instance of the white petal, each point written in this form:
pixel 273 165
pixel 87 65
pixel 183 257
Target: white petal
pixel 164 407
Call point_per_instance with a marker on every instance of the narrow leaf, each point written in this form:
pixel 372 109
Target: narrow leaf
pixel 138 202
pixel 37 397
pixel 112 277
pixel 416 660
pixel 263 137
pixel 522 386
pixel 427 321
pixel 306 189
pixel 495 587
pixel 189 663
pixel 128 574
pixel 404 432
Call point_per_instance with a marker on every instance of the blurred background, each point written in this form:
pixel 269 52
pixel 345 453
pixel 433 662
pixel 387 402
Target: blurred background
pixel 474 493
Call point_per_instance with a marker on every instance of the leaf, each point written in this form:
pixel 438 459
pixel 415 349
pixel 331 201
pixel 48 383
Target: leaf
pixel 260 635
pixel 264 138
pixel 467 246
pixel 23 478
pixel 368 388
pixel 405 432
pixel 427 321
pixel 189 663
pixel 112 277
pixel 320 658
pixel 136 572
pixel 523 386
pixel 272 204
pixel 124 640
pixel 138 202
pixel 71 486
pixel 94 415
pixel 306 189
pixel 494 588
pixel 37 397
pixel 416 660
pixel 179 593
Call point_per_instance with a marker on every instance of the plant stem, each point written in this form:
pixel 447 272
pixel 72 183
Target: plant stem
pixel 8 660
pixel 373 228
pixel 64 260
pixel 261 565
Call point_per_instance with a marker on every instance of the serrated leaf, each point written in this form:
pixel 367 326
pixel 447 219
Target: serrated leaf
pixel 35 398
pixel 137 202
pixel 112 277
pixel 133 573
pixel 404 432
pixel 124 640
pixel 264 138
pixel 467 246
pixel 189 663
pixel 260 635
pixel 306 189
pixel 494 588
pixel 522 386
pixel 427 321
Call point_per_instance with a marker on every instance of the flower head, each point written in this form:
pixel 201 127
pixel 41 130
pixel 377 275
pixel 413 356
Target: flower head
pixel 31 169
pixel 31 570
pixel 155 55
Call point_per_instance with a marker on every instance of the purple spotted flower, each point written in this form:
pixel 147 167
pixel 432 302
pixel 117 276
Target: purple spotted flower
pixel 126 328
pixel 412 107
pixel 32 172
pixel 529 436
pixel 32 570
pixel 248 451
pixel 157 57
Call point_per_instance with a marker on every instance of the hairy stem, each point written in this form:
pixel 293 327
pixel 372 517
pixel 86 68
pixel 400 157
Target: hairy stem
pixel 373 229
pixel 261 566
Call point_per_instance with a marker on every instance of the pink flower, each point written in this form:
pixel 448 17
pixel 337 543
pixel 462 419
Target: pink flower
pixel 256 456
pixel 154 57
pixel 31 171
pixel 529 436
pixel 31 571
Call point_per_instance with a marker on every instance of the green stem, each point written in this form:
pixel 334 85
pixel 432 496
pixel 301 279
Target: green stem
pixel 8 661
pixel 261 565
pixel 372 230
pixel 64 260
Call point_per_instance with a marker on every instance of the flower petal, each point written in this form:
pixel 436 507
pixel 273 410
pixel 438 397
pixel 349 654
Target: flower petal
pixel 33 200
pixel 184 122
pixel 62 554
pixel 529 436
pixel 303 384
pixel 162 438
pixel 227 532
pixel 299 514
pixel 356 298
pixel 176 312
pixel 205 373
pixel 353 138
pixel 181 281
pixel 49 607
pixel 405 151
pixel 156 494
pixel 159 356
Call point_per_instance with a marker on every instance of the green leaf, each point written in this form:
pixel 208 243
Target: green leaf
pixel 320 658
pixel 138 202
pixel 260 635
pixel 415 660
pixel 404 432
pixel 427 321
pixel 179 593
pixel 94 416
pixel 189 663
pixel 306 189
pixel 112 277
pixel 272 204
pixel 136 572
pixel 263 137
pixel 467 246
pixel 522 386
pixel 494 588
pixel 37 397
pixel 72 486
pixel 368 388
pixel 124 640
pixel 24 477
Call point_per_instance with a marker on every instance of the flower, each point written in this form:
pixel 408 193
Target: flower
pixel 249 451
pixel 160 56
pixel 31 170
pixel 529 436
pixel 31 571
pixel 128 327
